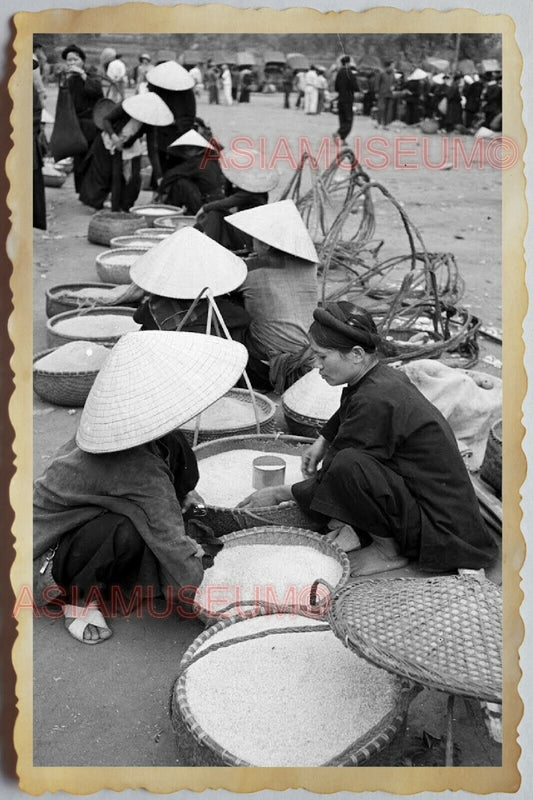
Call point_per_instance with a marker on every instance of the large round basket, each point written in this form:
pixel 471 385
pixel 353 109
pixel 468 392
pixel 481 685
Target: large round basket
pixel 155 210
pixel 309 403
pixel 104 225
pixel 265 593
pixel 113 266
pixel 491 468
pixel 54 178
pixel 242 423
pixel 56 337
pixel 136 240
pixel 62 388
pixel 60 298
pixel 227 520
pixel 154 233
pixel 174 222
pixel 252 709
pixel 429 126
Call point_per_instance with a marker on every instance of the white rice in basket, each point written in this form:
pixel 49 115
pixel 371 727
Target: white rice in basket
pixel 122 259
pixel 97 326
pixel 91 293
pixel 226 478
pixel 74 357
pixel 278 574
pixel 228 412
pixel 292 699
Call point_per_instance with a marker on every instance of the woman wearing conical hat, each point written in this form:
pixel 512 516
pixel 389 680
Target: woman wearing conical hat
pixel 116 154
pixel 175 87
pixel 280 294
pixel 195 178
pixel 174 272
pixel 246 186
pixel 109 510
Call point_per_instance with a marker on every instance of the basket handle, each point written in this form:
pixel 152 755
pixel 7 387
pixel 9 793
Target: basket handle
pixel 316 601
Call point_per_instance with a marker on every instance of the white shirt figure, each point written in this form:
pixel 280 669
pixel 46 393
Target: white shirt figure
pixel 311 92
pixel 196 75
pixel 226 85
pixel 117 72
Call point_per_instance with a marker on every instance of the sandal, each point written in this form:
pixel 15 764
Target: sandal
pixel 81 617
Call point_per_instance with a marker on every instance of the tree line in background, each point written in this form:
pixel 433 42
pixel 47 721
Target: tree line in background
pixel 410 47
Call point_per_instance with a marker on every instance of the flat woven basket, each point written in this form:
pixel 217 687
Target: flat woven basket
pixel 56 338
pixel 59 299
pixel 174 221
pixel 111 270
pixel 282 535
pixel 444 633
pixel 266 410
pixel 136 240
pixel 227 520
pixel 154 233
pixel 210 753
pixel 491 468
pixel 149 211
pixel 309 403
pixel 62 388
pixel 104 225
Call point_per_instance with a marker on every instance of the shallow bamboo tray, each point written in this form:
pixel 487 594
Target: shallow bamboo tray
pixel 57 305
pixel 266 410
pixel 56 338
pixel 147 211
pixel 175 222
pixel 117 273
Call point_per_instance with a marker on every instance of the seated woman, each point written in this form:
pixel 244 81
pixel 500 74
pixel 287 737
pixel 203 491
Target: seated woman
pixel 108 511
pixel 174 274
pixel 391 472
pixel 195 177
pixel 116 154
pixel 280 293
pixel 244 188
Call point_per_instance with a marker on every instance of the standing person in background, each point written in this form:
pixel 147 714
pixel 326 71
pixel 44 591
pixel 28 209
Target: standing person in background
pixel 39 200
pixel 345 86
pixel 322 87
pixel 114 69
pixel 225 79
pixel 288 85
pixel 385 85
pixel 454 108
pixel 492 100
pixel 196 75
pixel 212 83
pixel 141 71
pixel 311 91
pixel 472 94
pixel 85 90
pixel 246 83
pixel 300 88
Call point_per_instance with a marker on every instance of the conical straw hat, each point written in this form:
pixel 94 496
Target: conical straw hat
pixel 417 75
pixel 192 139
pixel 279 225
pixel 154 381
pixel 246 172
pixel 149 108
pixel 170 75
pixel 181 265
pixel 310 396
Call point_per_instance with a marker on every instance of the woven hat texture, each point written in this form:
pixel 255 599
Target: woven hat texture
pixel 181 265
pixel 170 75
pixel 246 172
pixel 279 225
pixel 148 108
pixel 310 396
pixel 192 139
pixel 153 382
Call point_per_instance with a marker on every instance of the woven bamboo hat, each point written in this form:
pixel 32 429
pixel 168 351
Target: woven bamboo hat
pixel 279 225
pixel 310 396
pixel 246 172
pixel 417 75
pixel 170 75
pixel 151 383
pixel 181 265
pixel 192 139
pixel 149 108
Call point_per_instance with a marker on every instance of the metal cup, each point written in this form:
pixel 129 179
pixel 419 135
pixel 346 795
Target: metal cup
pixel 268 471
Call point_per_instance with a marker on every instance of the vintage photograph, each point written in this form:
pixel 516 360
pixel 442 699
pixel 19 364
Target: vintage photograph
pixel 268 398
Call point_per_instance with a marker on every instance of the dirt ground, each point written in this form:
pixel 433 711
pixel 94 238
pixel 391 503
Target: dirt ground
pixel 108 705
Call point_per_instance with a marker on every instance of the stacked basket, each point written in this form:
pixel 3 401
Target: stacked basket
pixel 104 225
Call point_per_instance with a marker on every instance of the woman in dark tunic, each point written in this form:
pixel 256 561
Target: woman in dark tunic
pixel 85 90
pixel 116 154
pixel 109 509
pixel 391 470
pixel 195 178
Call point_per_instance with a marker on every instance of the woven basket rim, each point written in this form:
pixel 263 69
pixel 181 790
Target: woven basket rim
pixel 138 210
pixel 268 407
pixel 314 421
pixel 59 287
pixel 378 737
pixel 381 655
pixel 102 257
pixel 160 222
pixel 270 437
pixel 106 213
pixel 126 311
pixel 125 246
pixel 48 374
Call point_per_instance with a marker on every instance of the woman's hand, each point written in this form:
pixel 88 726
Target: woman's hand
pixel 191 499
pixel 312 457
pixel 271 496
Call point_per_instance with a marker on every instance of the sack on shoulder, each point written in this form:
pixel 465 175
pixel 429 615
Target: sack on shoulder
pixel 67 137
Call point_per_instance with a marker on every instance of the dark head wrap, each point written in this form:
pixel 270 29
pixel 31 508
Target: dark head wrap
pixel 73 48
pixel 342 325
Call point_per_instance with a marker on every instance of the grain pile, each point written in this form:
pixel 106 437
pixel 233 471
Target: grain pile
pixel 228 412
pixel 97 326
pixel 74 357
pixel 226 478
pixel 291 699
pixel 121 259
pixel 272 573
